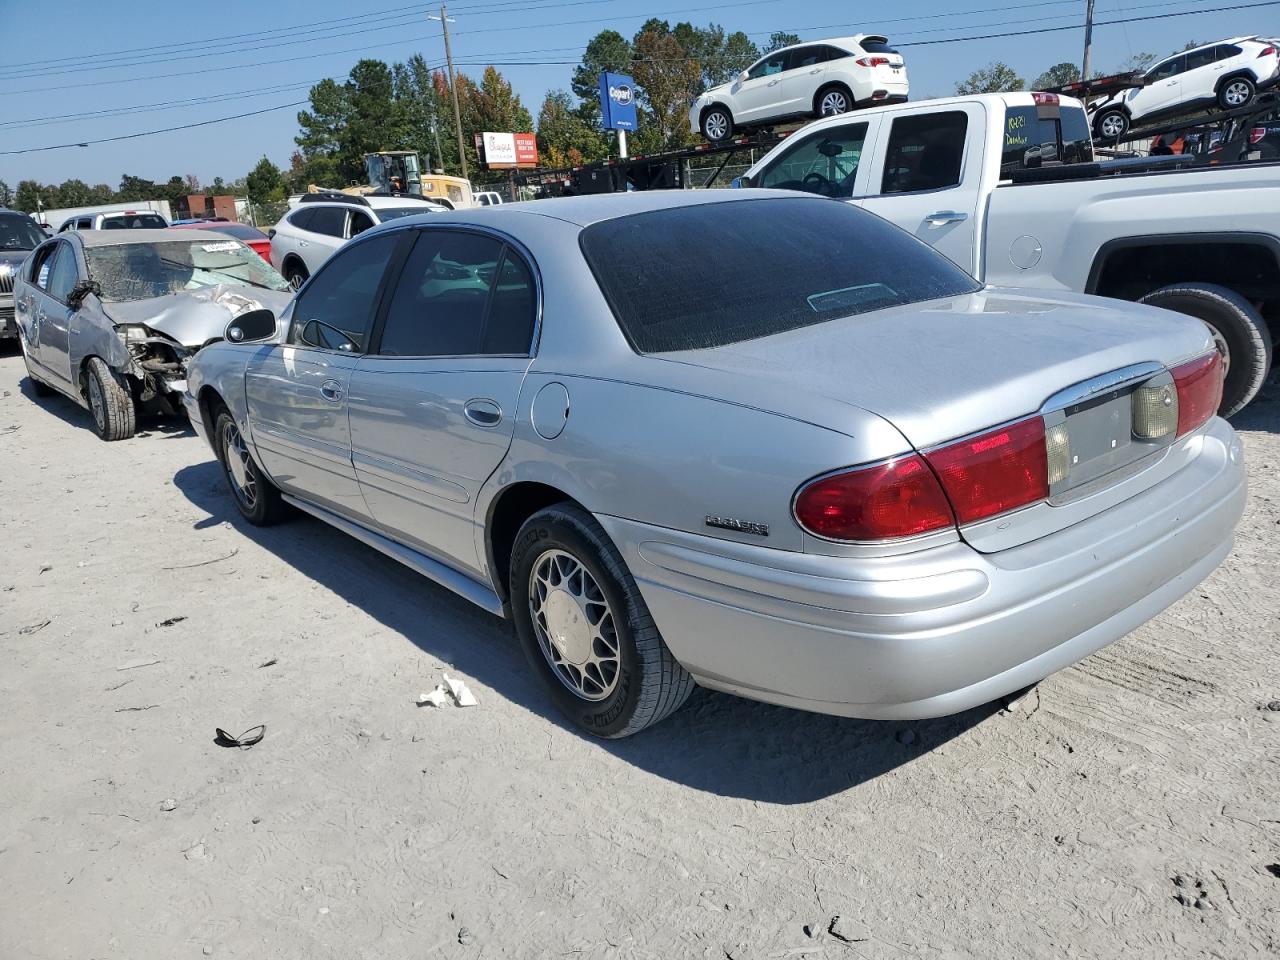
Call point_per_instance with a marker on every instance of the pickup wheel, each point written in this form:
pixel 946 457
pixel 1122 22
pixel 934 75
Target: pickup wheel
pixel 110 402
pixel 1112 124
pixel 585 628
pixel 717 123
pixel 1238 329
pixel 256 497
pixel 1236 93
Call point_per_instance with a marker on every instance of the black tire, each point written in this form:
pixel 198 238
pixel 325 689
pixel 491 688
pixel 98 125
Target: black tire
pixel 110 402
pixel 258 500
pixel 648 682
pixel 296 273
pixel 717 123
pixel 1236 326
pixel 1121 125
pixel 831 92
pixel 1246 88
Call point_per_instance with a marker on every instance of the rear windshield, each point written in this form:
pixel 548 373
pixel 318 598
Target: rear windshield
pixel 876 45
pixel 1044 136
pixel 238 230
pixel 134 221
pixel 703 276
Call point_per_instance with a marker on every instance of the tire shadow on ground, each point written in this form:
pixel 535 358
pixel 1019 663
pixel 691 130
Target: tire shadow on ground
pixel 74 415
pixel 716 743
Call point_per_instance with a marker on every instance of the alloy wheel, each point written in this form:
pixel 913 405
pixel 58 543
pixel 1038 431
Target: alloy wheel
pixel 236 456
pixel 1113 126
pixel 716 125
pixel 97 404
pixel 1236 94
pixel 575 625
pixel 833 103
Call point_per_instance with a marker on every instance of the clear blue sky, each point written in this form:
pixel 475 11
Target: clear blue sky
pixel 89 49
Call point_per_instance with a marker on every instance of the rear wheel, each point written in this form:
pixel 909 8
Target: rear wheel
pixel 585 628
pixel 1238 329
pixel 295 273
pixel 110 402
pixel 256 497
pixel 717 124
pixel 1112 124
pixel 833 100
pixel 1236 92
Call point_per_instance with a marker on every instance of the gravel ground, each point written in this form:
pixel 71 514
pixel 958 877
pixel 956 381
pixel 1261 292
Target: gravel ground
pixel 1128 808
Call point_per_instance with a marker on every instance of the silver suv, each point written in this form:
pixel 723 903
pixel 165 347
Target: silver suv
pixel 308 234
pixel 19 235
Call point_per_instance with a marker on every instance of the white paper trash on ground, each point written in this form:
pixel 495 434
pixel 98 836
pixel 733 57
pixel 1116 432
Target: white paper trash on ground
pixel 461 694
pixel 437 697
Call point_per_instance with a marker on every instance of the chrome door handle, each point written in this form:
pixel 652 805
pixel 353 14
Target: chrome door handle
pixel 771 83
pixel 816 70
pixel 483 413
pixel 331 390
pixel 946 216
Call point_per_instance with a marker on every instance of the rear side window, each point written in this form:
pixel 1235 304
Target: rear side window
pixel 302 218
pixel 360 222
pixel 925 152
pixel 770 275
pixel 806 57
pixel 1036 136
pixel 460 294
pixel 1226 51
pixel 341 298
pixel 877 45
pixel 331 221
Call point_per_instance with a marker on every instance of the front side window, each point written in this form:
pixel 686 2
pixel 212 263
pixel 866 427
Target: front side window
pixel 460 294
pixel 63 275
pixel 336 309
pixel 331 221
pixel 767 67
pixel 925 152
pixel 140 271
pixel 1167 70
pixel 825 163
pixel 771 274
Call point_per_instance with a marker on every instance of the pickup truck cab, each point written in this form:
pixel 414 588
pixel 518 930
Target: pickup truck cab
pixel 1006 186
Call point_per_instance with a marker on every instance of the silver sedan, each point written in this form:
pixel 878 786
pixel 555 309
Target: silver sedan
pixel 760 442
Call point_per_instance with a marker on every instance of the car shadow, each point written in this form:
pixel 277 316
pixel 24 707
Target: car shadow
pixel 717 743
pixel 71 413
pixel 1263 412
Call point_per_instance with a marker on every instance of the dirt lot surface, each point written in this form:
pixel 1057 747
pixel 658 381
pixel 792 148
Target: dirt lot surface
pixel 1130 809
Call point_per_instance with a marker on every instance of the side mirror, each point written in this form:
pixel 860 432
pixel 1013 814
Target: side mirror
pixel 740 183
pixel 743 77
pixel 252 326
pixel 81 290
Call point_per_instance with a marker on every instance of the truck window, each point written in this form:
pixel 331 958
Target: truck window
pixel 926 152
pixel 825 163
pixel 1032 139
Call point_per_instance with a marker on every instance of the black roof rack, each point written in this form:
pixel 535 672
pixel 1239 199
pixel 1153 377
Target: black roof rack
pixel 333 196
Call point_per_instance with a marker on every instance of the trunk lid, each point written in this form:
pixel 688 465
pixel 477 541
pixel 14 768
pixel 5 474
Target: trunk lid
pixel 951 368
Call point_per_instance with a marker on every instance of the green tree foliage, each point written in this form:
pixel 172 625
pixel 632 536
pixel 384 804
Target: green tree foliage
pixel 74 193
pixel 565 138
pixel 1139 61
pixel 137 188
pixel 265 183
pixel 778 40
pixel 100 193
pixel 995 77
pixel 668 81
pixel 7 196
pixel 720 56
pixel 28 193
pixel 607 50
pixel 1058 75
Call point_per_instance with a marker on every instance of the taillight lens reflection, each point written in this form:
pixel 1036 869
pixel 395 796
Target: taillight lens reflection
pixel 872 61
pixel 997 471
pixel 1199 384
pixel 900 498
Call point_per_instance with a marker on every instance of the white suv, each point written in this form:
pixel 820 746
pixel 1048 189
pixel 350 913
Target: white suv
pixel 816 79
pixel 308 234
pixel 1229 73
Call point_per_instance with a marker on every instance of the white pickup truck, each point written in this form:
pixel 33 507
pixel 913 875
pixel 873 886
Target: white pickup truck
pixel 1007 187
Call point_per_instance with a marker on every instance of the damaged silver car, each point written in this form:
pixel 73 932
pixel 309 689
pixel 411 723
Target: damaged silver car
pixel 111 318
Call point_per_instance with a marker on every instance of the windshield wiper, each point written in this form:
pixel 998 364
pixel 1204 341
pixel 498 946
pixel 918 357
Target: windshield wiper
pixel 226 272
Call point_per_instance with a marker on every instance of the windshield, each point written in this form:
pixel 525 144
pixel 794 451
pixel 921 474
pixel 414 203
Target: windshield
pixel 395 213
pixel 19 232
pixel 134 221
pixel 139 271
pixel 779 264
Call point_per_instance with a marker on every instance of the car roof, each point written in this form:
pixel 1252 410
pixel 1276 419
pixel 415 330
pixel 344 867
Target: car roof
pixel 853 41
pixel 110 238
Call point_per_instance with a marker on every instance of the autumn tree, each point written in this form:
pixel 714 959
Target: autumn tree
pixel 7 196
pixel 995 77
pixel 565 138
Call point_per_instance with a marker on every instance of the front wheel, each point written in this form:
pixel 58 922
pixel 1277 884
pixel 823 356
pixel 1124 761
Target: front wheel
pixel 1238 329
pixel 1112 124
pixel 585 628
pixel 1236 92
pixel 256 497
pixel 717 124
pixel 110 402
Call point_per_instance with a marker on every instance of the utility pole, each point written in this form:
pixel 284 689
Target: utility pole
pixel 453 88
pixel 1088 42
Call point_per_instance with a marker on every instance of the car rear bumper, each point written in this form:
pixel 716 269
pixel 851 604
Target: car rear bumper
pixel 940 630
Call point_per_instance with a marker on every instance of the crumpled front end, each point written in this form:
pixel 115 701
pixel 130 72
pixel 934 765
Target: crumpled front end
pixel 8 275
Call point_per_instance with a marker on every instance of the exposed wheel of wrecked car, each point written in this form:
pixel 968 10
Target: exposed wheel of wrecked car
pixel 585 628
pixel 1238 329
pixel 256 497
pixel 296 274
pixel 111 404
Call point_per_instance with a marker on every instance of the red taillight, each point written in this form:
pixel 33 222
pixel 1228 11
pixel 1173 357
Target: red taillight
pixel 900 498
pixel 1266 52
pixel 1199 384
pixel 997 471
pixel 1044 99
pixel 872 61
pixel 1257 135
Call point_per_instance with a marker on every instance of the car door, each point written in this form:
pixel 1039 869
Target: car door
pixel 927 178
pixel 1198 82
pixel 297 390
pixel 326 232
pixel 433 406
pixel 755 98
pixel 801 79
pixel 1163 89
pixel 53 274
pixel 291 236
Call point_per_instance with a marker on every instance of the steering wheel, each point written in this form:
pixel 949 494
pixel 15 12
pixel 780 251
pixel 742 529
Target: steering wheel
pixel 823 184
